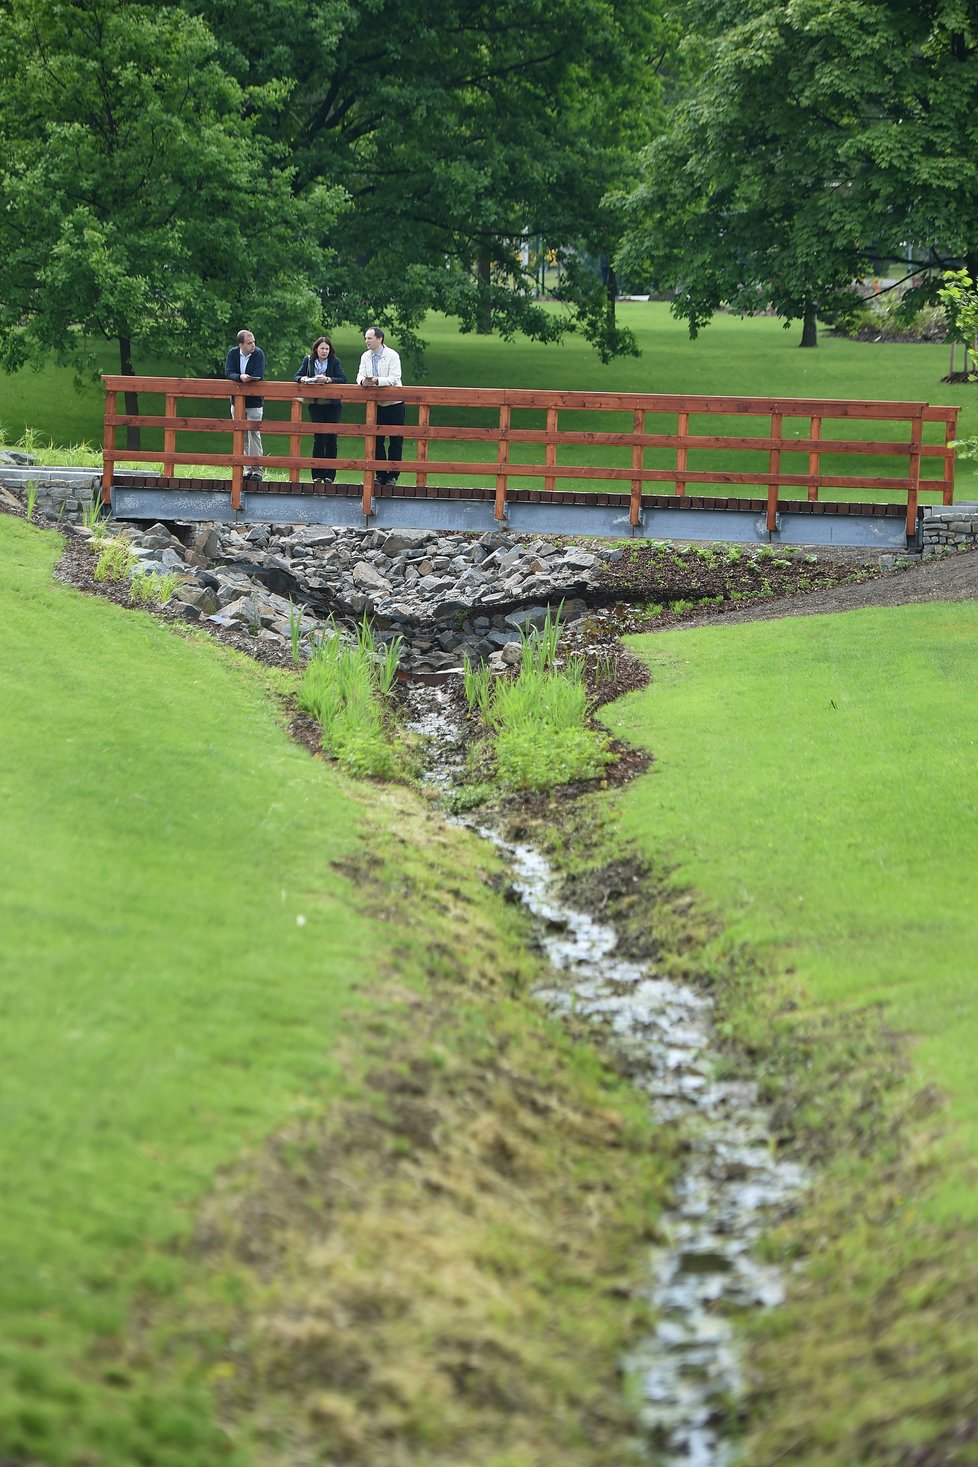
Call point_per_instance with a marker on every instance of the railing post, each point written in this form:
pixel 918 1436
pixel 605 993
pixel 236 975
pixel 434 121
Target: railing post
pixel 502 459
pixel 813 460
pixel 913 492
pixel 682 452
pixel 240 423
pixel 108 445
pixel 774 467
pixel 369 448
pixel 169 436
pixel 424 421
pixel 638 462
pixel 550 482
pixel 295 440
pixel 950 433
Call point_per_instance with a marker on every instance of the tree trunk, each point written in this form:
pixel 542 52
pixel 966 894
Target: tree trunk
pixel 131 398
pixel 809 329
pixel 612 296
pixel 483 320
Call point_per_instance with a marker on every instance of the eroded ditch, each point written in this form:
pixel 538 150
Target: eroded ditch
pixel 686 1373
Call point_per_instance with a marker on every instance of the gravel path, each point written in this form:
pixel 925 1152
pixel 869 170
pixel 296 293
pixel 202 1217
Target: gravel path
pixel 945 578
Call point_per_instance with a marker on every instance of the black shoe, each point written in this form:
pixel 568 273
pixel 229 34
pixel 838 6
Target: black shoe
pixel 391 479
pixel 383 479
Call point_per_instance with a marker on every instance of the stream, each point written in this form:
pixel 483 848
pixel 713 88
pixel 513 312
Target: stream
pixel 731 1186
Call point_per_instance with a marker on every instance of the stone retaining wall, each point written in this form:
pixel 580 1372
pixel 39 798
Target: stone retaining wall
pixel 948 528
pixel 64 494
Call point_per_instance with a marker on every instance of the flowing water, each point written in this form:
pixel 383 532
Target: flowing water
pixel 732 1185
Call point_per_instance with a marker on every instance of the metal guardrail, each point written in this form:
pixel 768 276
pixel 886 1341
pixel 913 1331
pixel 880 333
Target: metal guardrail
pixel 640 476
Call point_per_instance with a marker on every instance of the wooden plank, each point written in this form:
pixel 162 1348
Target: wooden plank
pixel 550 438
pixel 814 433
pixel 502 460
pixel 108 446
pixel 682 447
pixel 670 403
pixel 369 432
pixel 295 435
pixel 916 433
pixel 638 464
pixel 774 468
pixel 424 431
pixel 169 434
pixel 950 433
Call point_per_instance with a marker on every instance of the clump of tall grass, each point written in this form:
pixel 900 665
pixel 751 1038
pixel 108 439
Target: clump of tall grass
pixel 115 561
pixel 150 589
pixel 71 456
pixel 538 719
pixel 92 516
pixel 344 688
pixel 30 500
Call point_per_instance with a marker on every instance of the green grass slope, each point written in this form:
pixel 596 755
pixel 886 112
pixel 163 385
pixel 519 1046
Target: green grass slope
pixel 288 1174
pixel 813 780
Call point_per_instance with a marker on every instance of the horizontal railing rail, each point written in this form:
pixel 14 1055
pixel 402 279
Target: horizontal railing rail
pixel 810 414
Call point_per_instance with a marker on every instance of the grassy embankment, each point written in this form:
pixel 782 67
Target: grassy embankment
pixel 814 784
pixel 289 1174
pixel 754 357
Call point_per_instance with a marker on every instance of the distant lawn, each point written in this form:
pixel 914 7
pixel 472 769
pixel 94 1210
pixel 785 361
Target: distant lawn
pixel 750 357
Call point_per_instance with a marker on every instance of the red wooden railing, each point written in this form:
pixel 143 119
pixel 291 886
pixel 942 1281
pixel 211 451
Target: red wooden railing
pixel 813 414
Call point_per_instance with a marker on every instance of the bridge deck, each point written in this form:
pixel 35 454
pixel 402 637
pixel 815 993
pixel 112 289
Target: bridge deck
pixel 662 516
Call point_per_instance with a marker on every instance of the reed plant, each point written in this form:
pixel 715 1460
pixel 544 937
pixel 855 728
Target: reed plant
pixel 30 500
pixel 538 720
pixel 478 687
pixel 295 632
pixel 150 589
pixel 344 687
pixel 92 517
pixel 115 561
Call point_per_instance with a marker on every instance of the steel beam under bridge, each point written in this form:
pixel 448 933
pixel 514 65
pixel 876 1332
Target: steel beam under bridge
pixel 857 526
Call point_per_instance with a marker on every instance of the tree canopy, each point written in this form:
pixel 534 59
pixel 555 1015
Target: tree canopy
pixel 825 138
pixel 141 202
pixel 173 169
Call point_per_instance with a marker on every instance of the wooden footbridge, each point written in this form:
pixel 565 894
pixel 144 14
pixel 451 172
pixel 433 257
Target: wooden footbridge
pixel 622 464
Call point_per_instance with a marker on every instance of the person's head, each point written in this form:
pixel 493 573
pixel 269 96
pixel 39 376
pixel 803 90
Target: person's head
pixel 246 341
pixel 322 347
pixel 374 338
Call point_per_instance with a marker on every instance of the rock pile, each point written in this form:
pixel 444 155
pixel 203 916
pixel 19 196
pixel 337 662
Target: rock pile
pixel 449 596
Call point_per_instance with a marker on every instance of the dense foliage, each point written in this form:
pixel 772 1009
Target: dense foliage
pixel 171 170
pixel 824 140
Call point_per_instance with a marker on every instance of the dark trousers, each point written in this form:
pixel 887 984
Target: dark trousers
pixel 324 444
pixel 389 412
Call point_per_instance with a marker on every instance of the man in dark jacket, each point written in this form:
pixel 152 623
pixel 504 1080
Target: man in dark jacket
pixel 246 363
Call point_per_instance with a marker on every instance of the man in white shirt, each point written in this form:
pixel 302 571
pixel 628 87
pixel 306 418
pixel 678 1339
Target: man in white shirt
pixel 246 363
pixel 380 366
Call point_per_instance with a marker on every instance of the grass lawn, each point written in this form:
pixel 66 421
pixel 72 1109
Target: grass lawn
pixel 209 938
pixel 753 357
pixel 814 781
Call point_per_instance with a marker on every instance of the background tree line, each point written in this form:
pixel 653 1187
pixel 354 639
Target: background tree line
pixel 172 170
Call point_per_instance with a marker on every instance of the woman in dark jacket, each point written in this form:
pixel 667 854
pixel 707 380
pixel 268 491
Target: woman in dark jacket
pixel 322 365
